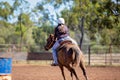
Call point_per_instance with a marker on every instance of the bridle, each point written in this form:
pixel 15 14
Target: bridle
pixel 50 42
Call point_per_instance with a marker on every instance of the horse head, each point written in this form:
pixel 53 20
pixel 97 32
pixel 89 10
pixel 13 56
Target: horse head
pixel 50 42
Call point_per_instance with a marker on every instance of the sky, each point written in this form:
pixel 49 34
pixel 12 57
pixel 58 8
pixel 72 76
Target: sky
pixel 33 3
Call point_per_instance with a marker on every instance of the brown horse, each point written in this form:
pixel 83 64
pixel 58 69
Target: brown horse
pixel 69 56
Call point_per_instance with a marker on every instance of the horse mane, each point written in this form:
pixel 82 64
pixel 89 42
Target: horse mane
pixel 50 42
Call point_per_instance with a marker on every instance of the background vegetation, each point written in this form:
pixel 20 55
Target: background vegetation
pixel 90 22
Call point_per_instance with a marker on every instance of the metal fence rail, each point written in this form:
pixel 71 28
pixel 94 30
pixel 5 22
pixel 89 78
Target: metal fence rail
pixel 103 59
pixel 93 56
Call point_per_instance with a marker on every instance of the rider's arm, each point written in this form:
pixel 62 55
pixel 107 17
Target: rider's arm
pixel 55 34
pixel 66 30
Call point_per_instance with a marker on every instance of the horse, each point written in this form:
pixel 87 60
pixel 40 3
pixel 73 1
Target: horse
pixel 68 55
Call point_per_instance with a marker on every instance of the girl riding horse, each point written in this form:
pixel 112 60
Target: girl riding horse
pixel 65 50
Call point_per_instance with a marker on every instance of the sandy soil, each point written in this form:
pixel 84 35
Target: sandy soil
pixel 38 72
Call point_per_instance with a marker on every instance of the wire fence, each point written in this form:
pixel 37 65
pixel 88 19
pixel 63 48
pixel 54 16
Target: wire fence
pixel 102 54
pixel 94 54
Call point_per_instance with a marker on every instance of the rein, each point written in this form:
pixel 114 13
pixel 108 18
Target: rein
pixel 51 44
pixel 50 41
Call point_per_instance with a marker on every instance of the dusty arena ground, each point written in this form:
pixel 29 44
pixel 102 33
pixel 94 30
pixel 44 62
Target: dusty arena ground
pixel 38 72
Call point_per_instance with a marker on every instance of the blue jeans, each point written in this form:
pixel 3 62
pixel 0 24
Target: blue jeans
pixel 57 44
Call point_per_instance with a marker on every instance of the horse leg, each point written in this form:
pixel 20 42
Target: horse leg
pixel 72 70
pixel 82 65
pixel 62 70
pixel 71 75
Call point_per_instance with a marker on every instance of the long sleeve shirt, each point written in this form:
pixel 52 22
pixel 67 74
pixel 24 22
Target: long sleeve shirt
pixel 61 31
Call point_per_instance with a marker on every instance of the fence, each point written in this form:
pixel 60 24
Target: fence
pixel 94 55
pixel 103 59
pixel 102 54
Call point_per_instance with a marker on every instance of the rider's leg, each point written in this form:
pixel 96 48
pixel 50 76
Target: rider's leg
pixel 54 52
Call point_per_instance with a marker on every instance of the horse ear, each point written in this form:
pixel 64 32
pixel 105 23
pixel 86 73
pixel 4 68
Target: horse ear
pixel 51 34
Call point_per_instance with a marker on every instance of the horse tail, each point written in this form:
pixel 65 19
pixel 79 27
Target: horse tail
pixel 76 56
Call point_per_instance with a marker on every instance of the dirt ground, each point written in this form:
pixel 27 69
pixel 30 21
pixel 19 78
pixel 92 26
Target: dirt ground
pixel 38 72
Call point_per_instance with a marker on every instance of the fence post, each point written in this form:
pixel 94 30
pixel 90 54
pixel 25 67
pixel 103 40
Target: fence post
pixel 106 57
pixel 110 51
pixel 89 55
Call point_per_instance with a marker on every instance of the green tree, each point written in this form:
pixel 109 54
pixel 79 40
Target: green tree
pixel 40 35
pixel 6 32
pixel 5 11
pixel 24 24
pixel 6 29
pixel 105 22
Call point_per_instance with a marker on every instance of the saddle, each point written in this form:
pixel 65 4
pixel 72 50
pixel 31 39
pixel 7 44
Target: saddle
pixel 63 43
pixel 66 42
